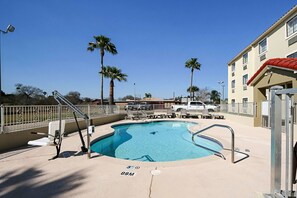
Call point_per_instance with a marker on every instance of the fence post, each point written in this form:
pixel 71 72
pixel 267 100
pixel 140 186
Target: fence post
pixel 2 119
pixel 89 111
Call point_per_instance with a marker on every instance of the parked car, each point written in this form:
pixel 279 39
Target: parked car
pixel 195 105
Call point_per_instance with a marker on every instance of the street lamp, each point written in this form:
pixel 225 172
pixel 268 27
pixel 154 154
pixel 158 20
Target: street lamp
pixel 222 84
pixel 134 94
pixel 9 28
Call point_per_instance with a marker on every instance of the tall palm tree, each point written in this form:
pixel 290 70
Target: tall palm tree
pixel 103 44
pixel 114 74
pixel 192 64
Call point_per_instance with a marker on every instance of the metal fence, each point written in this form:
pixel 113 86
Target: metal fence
pixel 245 109
pixel 15 118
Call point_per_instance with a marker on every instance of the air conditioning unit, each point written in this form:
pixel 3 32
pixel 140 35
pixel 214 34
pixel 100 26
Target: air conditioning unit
pixel 244 87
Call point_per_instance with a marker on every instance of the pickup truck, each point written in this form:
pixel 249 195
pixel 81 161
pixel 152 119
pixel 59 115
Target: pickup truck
pixel 195 105
pixel 138 106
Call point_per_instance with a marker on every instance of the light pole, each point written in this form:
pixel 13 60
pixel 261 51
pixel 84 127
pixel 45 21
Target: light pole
pixel 222 84
pixel 134 93
pixel 9 28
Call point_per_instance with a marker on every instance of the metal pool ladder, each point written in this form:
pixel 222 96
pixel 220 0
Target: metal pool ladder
pixel 216 152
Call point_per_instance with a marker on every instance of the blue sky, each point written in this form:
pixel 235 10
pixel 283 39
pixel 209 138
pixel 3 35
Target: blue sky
pixel 153 38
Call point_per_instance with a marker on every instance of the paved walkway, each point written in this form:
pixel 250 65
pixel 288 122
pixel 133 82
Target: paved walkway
pixel 30 174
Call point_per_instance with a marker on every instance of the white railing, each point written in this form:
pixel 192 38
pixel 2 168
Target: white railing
pixel 247 109
pixel 15 118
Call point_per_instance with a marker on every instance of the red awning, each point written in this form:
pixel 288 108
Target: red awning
pixel 281 63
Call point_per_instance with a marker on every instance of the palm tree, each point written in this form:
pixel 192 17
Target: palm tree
pixel 147 95
pixel 192 90
pixel 114 74
pixel 103 44
pixel 215 96
pixel 192 64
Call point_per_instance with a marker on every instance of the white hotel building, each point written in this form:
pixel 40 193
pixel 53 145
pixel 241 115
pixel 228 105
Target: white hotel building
pixel 246 83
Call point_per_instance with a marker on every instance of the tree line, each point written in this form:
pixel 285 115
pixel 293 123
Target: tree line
pixel 29 95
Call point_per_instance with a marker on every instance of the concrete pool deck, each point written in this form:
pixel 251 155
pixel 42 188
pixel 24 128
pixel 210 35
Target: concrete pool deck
pixel 28 173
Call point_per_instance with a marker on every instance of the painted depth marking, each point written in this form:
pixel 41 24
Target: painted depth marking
pixel 124 173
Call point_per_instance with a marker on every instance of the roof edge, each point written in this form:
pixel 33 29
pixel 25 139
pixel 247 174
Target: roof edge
pixel 278 22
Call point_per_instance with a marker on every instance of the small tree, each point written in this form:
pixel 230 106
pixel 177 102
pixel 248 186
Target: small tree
pixel 192 90
pixel 203 94
pixel 74 97
pixel 114 74
pixel 28 94
pixel 215 96
pixel 128 97
pixel 147 95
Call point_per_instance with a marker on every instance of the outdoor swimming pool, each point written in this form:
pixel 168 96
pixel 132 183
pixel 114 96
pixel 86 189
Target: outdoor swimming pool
pixel 158 141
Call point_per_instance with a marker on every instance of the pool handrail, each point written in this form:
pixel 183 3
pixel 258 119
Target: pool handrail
pixel 215 152
pixel 217 125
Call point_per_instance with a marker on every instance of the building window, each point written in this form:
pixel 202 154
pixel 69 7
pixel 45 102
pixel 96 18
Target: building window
pixel 294 55
pixel 233 86
pixel 245 58
pixel 244 81
pixel 233 69
pixel 292 26
pixel 263 46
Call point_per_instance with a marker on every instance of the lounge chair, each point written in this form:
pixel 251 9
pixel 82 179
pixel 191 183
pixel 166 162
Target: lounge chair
pixel 130 115
pixel 184 113
pixel 159 114
pixel 169 113
pixel 206 114
pixel 217 116
pixel 55 133
pixel 194 113
pixel 143 115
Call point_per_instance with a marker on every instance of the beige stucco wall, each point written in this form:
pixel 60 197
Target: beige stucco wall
pixel 240 93
pixel 278 77
pixel 13 140
pixel 277 47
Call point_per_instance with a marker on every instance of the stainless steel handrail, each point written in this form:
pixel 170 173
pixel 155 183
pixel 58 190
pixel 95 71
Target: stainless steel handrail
pixel 218 125
pixel 215 152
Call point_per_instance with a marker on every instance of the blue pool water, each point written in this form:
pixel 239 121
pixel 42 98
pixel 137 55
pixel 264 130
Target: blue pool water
pixel 154 142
